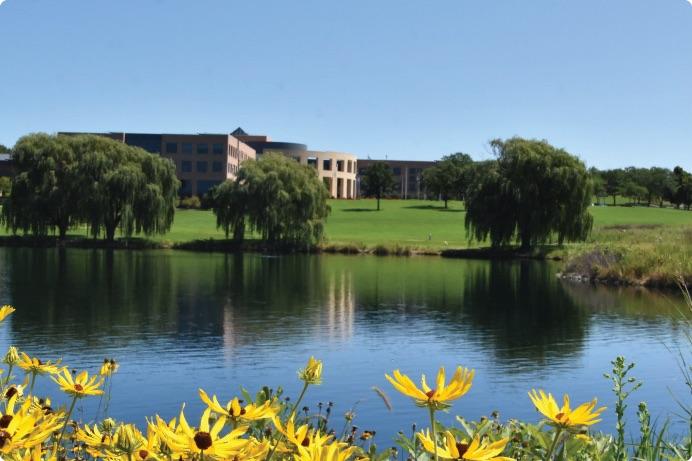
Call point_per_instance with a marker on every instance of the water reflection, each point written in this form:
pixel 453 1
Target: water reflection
pixel 214 320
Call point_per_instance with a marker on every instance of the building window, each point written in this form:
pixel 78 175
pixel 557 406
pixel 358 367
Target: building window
pixel 348 166
pixel 186 166
pixel 172 147
pixel 204 186
pixel 327 164
pixel 217 149
pixel 187 148
pixel 216 167
pixel 396 171
pixel 202 167
pixel 203 148
pixel 340 165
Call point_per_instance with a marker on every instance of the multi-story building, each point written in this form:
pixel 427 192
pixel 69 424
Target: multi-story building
pixel 408 176
pixel 201 160
pixel 338 170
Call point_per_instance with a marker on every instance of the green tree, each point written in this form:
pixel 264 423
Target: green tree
pixel 230 205
pixel 4 149
pixel 63 181
pixel 448 178
pixel 124 187
pixel 5 186
pixel 283 201
pixel 598 184
pixel 532 192
pixel 613 180
pixel 45 192
pixel 377 181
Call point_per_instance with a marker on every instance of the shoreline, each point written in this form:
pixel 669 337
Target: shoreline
pixel 574 267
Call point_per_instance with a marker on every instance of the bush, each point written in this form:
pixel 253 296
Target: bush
pixel 190 203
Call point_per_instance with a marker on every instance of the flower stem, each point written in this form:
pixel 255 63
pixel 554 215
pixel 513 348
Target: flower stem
pixel 434 430
pixel 33 380
pixel 293 412
pixel 201 455
pixel 9 374
pixel 558 432
pixel 64 426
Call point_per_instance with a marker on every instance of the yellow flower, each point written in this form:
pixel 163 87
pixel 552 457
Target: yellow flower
pixel 5 311
pixel 476 451
pixel 438 397
pixel 335 451
pixel 35 366
pixel 234 410
pixel 97 441
pixel 24 429
pixel 109 367
pixel 303 436
pixel 188 442
pixel 78 387
pixel 12 356
pixel 312 373
pixel 583 415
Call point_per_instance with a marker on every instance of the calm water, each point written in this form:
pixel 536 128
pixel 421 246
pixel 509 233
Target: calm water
pixel 179 321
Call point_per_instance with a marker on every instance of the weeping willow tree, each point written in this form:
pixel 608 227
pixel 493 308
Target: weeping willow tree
pixel 533 192
pixel 63 181
pixel 44 191
pixel 124 188
pixel 278 198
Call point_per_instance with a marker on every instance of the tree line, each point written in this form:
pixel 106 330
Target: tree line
pixel 650 186
pixel 66 181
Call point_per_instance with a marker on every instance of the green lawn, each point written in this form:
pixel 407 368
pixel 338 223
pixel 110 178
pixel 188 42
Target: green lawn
pixel 411 222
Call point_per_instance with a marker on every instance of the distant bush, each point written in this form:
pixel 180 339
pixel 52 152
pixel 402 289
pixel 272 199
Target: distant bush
pixel 191 203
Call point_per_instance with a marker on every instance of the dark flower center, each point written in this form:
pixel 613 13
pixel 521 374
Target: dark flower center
pixel 78 387
pixel 4 437
pixel 430 393
pixel 10 392
pixel 560 417
pixel 5 421
pixel 305 442
pixel 462 448
pixel 143 454
pixel 202 440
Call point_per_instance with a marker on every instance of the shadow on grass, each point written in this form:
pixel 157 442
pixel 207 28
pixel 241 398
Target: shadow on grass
pixel 434 207
pixel 359 209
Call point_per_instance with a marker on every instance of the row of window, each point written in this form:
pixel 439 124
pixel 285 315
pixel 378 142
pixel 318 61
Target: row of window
pixel 189 148
pixel 203 167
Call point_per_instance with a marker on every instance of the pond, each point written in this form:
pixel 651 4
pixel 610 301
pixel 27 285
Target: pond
pixel 179 321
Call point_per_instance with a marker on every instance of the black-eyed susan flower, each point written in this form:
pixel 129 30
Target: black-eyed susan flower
pixel 477 450
pixel 312 373
pixel 98 442
pixel 35 366
pixel 301 436
pixel 585 414
pixel 334 451
pixel 5 311
pixel 109 367
pixel 80 386
pixel 205 441
pixel 437 398
pixel 23 428
pixel 235 411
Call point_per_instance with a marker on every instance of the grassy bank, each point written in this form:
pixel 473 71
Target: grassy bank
pixel 634 245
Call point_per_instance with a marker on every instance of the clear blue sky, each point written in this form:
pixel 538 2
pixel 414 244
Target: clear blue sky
pixel 610 81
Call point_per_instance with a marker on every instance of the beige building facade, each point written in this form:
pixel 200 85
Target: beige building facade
pixel 337 170
pixel 204 160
